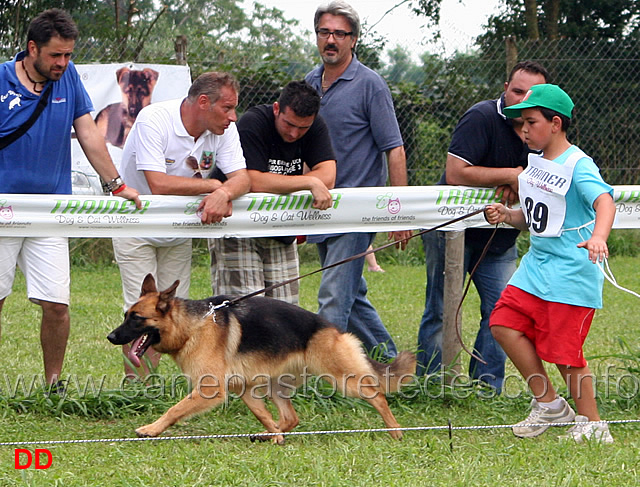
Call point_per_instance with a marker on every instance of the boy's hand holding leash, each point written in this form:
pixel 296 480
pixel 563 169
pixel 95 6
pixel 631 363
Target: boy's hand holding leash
pixel 499 213
pixel 605 214
pixel 496 213
pixel 597 247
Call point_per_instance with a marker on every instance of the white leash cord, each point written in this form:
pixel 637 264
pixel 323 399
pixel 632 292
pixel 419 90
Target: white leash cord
pixel 604 266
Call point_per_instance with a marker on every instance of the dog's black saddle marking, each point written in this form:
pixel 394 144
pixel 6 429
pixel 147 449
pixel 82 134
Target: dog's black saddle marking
pixel 267 324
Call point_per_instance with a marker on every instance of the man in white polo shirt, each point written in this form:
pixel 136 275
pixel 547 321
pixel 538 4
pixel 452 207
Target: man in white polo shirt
pixel 172 148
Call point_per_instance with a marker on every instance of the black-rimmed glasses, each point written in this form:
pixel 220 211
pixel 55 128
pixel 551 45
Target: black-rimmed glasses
pixel 337 34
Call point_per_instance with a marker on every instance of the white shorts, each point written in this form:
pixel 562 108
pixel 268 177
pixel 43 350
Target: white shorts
pixel 137 257
pixel 44 261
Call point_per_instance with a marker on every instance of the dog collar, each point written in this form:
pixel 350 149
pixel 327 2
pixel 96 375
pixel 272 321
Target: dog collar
pixel 213 308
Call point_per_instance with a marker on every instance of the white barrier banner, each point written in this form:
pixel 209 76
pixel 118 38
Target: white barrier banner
pixel 261 214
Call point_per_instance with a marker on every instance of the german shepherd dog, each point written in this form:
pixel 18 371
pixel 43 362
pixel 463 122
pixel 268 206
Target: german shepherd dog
pixel 114 121
pixel 257 343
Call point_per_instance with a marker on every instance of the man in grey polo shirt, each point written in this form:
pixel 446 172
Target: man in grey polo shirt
pixel 357 106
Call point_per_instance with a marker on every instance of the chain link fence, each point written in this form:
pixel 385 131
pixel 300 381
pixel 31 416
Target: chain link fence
pixel 601 77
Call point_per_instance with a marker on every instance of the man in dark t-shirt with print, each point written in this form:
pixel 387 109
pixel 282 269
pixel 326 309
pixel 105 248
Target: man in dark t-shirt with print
pixel 486 150
pixel 287 148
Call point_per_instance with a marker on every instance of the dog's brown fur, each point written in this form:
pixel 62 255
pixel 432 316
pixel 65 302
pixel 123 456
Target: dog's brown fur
pixel 258 344
pixel 114 121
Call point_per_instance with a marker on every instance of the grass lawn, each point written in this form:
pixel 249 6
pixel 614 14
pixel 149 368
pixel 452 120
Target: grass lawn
pixel 471 457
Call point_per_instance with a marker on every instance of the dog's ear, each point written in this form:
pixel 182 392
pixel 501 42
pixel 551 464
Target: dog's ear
pixel 121 72
pixel 148 285
pixel 166 298
pixel 152 78
pixel 151 74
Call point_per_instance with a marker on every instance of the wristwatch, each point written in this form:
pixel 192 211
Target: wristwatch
pixel 112 185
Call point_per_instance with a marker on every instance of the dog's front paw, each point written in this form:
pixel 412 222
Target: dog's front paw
pixel 275 439
pixel 396 435
pixel 147 431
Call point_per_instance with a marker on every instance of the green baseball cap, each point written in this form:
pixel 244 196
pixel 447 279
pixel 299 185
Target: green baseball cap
pixel 546 96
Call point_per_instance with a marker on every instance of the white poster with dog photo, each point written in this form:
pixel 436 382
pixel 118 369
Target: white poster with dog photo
pixel 118 93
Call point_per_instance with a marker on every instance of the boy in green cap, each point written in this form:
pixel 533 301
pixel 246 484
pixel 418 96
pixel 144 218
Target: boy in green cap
pixel 546 310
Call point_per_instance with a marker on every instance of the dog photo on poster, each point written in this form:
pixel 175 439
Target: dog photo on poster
pixel 118 93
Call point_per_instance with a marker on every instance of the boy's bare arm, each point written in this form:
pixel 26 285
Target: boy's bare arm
pixel 605 214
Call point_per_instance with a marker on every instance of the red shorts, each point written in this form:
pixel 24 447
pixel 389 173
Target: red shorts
pixel 557 330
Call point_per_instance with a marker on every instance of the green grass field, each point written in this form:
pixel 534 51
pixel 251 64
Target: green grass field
pixel 97 406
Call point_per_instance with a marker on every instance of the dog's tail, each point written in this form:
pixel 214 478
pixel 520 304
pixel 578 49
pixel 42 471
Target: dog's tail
pixel 398 372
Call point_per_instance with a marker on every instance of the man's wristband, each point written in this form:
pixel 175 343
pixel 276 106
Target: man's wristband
pixel 121 188
pixel 113 185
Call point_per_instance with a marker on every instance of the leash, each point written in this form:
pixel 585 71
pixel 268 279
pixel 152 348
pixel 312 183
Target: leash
pixel 344 261
pixel 464 295
pixel 231 302
pixel 603 266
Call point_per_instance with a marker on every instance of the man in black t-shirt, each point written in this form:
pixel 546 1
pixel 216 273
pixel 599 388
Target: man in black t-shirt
pixel 287 148
pixel 486 150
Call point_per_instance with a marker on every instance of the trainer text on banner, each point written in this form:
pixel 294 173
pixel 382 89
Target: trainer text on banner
pixel 261 214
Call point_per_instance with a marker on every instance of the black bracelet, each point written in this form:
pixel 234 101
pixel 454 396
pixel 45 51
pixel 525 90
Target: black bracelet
pixel 112 185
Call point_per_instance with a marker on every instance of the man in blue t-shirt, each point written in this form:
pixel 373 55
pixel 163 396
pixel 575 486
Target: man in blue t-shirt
pixel 486 150
pixel 357 105
pixel 39 162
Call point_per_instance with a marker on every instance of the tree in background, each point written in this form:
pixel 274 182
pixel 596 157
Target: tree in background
pixel 15 16
pixel 564 19
pixel 265 50
pixel 128 30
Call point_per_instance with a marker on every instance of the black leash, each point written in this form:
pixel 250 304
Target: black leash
pixel 367 252
pixel 231 302
pixel 464 295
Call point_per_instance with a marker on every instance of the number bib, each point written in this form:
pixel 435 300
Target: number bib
pixel 542 188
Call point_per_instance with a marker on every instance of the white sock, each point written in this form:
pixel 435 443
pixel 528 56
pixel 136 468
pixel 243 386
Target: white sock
pixel 555 404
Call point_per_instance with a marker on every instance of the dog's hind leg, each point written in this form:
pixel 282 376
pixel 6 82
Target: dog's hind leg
pixel 340 356
pixel 368 388
pixel 259 409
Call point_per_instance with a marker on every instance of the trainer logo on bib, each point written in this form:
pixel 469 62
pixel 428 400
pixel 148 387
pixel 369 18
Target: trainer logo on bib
pixel 545 177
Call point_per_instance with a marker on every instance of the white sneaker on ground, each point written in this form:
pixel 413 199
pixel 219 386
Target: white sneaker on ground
pixel 586 430
pixel 541 417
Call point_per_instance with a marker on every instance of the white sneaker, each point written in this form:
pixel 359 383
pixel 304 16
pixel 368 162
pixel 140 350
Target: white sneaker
pixel 541 417
pixel 589 431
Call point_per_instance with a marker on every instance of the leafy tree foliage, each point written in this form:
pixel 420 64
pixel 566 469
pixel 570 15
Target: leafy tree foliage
pixel 15 16
pixel 402 68
pixel 566 19
pixel 551 19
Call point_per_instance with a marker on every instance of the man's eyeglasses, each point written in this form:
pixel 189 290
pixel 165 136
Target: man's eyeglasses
pixel 337 34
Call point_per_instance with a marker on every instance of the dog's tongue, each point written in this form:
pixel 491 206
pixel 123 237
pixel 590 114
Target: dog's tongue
pixel 135 360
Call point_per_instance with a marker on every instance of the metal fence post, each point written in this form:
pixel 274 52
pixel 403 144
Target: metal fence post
pixel 180 47
pixel 511 53
pixel 453 283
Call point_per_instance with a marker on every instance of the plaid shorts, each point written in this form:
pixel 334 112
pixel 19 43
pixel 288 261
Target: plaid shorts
pixel 243 265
